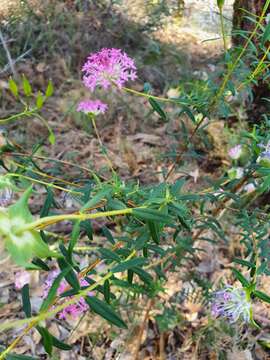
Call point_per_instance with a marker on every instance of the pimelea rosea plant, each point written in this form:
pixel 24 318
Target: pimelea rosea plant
pixel 159 225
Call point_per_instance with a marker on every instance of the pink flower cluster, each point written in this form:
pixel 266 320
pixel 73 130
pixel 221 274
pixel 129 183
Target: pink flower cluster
pixel 73 310
pixel 103 69
pixel 108 67
pixel 92 106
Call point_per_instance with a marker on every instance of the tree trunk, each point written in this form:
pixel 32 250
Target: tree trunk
pixel 242 10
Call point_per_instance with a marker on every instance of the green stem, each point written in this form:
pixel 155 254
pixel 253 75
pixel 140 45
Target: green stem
pixel 149 96
pixel 104 150
pixel 44 183
pixel 256 71
pixel 222 28
pixel 49 220
pixel 16 116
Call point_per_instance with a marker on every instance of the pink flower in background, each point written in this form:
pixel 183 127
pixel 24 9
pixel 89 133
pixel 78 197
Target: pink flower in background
pixel 106 67
pixel 74 309
pixel 21 278
pixel 92 106
pixel 249 188
pixel 235 152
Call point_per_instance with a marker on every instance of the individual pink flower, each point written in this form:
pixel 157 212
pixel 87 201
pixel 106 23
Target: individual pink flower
pixel 107 67
pixel 21 278
pixel 249 188
pixel 75 309
pixel 235 152
pixel 92 106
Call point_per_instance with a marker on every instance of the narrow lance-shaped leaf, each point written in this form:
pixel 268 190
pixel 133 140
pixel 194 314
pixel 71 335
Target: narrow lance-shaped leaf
pixel 129 264
pixel 241 278
pixel 26 304
pixel 70 275
pixel 106 288
pixel 26 86
pixel 151 214
pixel 13 87
pixel 105 310
pixel 157 108
pixel 49 90
pixel 46 339
pixel 261 295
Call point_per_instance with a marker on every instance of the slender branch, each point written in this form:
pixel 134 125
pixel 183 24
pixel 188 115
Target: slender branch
pixel 49 220
pixel 223 28
pixel 9 58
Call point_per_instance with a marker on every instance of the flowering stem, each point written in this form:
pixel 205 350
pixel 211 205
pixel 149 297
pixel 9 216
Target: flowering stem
pixel 49 220
pixel 104 151
pixel 149 96
pixel 222 28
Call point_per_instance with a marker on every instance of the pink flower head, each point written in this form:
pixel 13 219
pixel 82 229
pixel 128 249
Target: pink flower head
pixel 235 152
pixel 21 278
pixel 92 106
pixel 75 309
pixel 107 67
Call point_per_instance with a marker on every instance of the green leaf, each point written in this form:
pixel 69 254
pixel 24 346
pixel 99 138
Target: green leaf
pixel 266 34
pixel 26 304
pixel 39 100
pixel 49 90
pixel 107 293
pixel 70 275
pixel 60 344
pixel 153 227
pixel 220 3
pixel 141 240
pixel 49 202
pixel 245 263
pixel 51 136
pixel 26 86
pixel 157 108
pixel 143 275
pixel 40 264
pixel 105 310
pixel 241 278
pixel 108 254
pixel 106 232
pixel 129 264
pixel 130 276
pixel 47 340
pixel 74 237
pixel 97 198
pixel 188 112
pixel 87 227
pixel 13 87
pixel 151 214
pixel 261 295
